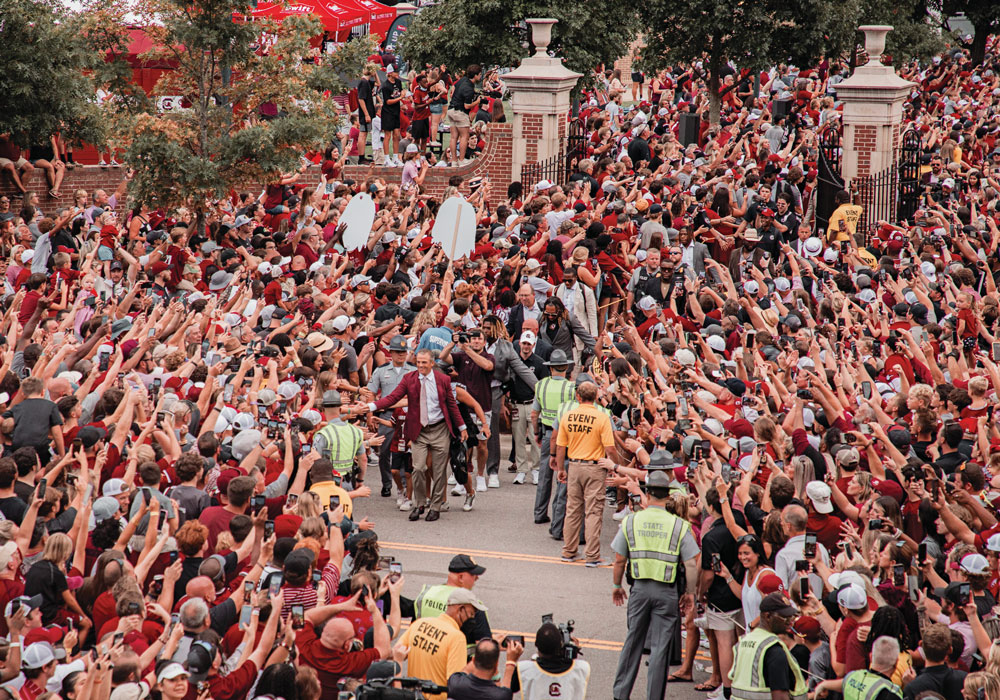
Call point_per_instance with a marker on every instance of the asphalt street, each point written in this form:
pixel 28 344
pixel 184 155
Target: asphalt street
pixel 524 577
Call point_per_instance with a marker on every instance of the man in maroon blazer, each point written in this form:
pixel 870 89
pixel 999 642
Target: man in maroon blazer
pixel 432 418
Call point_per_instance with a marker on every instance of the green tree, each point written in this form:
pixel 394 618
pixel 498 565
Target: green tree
pixel 226 70
pixel 46 73
pixel 709 33
pixel 985 17
pixel 492 33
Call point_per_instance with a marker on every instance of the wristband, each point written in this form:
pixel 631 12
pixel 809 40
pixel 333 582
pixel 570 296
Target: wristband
pixel 511 663
pixel 616 585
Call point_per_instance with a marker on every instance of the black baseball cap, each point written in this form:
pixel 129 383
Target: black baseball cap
pixel 464 564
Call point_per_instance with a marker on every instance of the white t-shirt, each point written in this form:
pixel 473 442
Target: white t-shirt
pixel 377 133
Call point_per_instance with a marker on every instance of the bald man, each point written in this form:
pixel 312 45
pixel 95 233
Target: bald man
pixel 58 388
pixel 330 652
pixel 526 308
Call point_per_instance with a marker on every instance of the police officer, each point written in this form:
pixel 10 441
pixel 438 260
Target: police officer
pixel 340 442
pixel 559 502
pixel 764 667
pixel 874 684
pixel 384 379
pixel 652 543
pixel 463 572
pixel 550 394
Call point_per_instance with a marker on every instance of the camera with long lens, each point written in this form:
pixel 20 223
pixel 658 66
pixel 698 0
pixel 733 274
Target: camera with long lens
pixel 381 689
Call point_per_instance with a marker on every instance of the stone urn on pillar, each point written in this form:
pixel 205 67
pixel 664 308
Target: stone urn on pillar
pixel 540 89
pixel 873 111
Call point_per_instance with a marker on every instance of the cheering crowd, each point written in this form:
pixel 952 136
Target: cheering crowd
pixel 792 423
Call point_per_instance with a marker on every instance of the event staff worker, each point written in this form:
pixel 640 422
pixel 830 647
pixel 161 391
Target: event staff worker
pixel 432 419
pixel 764 667
pixel 339 442
pixel 551 674
pixel 384 379
pixel 651 544
pixel 585 437
pixel 550 395
pixel 435 646
pixel 559 501
pixel 871 684
pixel 463 572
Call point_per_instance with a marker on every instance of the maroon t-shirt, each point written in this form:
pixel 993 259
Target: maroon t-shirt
pixel 216 519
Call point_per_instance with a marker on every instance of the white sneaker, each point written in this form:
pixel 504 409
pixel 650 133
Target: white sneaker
pixel 459 490
pixel 451 480
pixel 103 163
pixel 445 507
pixel 406 505
pixel 468 502
pixel 494 481
pixel 534 477
pixel 399 500
pixel 519 479
pixel 481 483
pixel 115 163
pixel 620 515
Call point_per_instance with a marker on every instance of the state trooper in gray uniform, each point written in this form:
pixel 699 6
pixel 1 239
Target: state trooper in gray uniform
pixel 660 553
pixel 384 379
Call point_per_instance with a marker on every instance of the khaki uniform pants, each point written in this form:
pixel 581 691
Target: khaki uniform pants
pixel 584 501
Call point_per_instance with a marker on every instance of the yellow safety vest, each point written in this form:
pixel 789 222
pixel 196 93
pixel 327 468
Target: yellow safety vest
pixel 654 544
pixel 747 673
pixel 865 685
pixel 551 393
pixel 342 443
pixel 432 601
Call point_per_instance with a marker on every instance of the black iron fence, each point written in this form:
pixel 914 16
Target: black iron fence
pixel 879 197
pixel 559 167
pixel 829 180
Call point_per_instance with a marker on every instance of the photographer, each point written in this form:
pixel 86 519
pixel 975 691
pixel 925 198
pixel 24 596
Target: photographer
pixel 555 671
pixel 475 682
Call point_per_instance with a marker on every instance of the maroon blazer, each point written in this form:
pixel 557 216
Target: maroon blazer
pixel 409 388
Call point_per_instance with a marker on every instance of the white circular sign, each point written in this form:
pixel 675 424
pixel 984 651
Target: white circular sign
pixel 455 228
pixel 359 215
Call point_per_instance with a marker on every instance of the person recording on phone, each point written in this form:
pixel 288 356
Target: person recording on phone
pixel 794 521
pixel 652 544
pixel 475 682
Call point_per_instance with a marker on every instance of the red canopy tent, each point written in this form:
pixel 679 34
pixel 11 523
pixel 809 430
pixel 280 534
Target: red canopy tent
pixel 335 19
pixel 381 16
pixel 348 8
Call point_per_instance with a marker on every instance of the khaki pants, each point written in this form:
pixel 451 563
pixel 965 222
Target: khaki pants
pixel 525 444
pixel 584 499
pixel 436 441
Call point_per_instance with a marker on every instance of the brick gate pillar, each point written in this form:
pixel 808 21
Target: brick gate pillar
pixel 873 111
pixel 540 89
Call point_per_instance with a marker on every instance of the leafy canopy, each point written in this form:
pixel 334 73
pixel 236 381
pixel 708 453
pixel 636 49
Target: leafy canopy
pixel 492 32
pixel 226 70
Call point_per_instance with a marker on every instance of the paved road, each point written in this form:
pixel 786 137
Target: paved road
pixel 524 577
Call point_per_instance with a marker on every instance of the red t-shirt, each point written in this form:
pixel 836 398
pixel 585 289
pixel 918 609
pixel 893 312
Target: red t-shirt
pixel 216 519
pixel 331 665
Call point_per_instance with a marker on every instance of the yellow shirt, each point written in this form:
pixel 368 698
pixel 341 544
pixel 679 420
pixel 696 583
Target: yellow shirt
pixel 437 650
pixel 849 214
pixel 325 489
pixel 585 432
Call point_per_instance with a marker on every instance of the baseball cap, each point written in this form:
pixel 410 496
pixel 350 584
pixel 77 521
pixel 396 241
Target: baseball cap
pixel 806 626
pixel 463 596
pixel 853 597
pixel 114 487
pixel 170 671
pixel 453 318
pixel 130 691
pixel 846 578
pixel 993 543
pixel 684 357
pixel 528 337
pixel 200 658
pixel 975 564
pixel 819 494
pixel 104 507
pixel 38 654
pixel 770 583
pixel 464 564
pixel 777 603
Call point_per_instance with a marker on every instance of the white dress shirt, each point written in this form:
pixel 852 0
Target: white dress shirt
pixel 428 387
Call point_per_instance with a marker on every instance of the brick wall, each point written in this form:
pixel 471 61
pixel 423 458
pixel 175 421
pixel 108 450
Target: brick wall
pixel 494 163
pixel 865 139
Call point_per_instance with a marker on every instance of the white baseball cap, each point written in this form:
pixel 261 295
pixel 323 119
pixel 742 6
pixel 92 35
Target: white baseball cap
pixel 647 303
pixel 852 597
pixel 528 337
pixel 819 494
pixel 975 564
pixel 844 578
